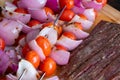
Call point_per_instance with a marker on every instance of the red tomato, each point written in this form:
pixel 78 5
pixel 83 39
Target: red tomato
pixel 2 44
pixel 34 58
pixel 102 1
pixel 25 50
pixel 48 66
pixel 21 10
pixel 69 35
pixel 60 47
pixel 49 24
pixel 44 44
pixel 48 10
pixel 67 15
pixel 78 25
pixel 68 3
pixel 33 23
pixel 59 29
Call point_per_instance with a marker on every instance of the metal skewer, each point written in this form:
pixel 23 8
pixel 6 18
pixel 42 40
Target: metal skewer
pixel 42 76
pixel 56 20
pixel 21 76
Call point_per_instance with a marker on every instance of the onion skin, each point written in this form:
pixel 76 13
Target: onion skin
pixel 32 3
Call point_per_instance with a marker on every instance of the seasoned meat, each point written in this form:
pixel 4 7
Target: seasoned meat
pixel 97 57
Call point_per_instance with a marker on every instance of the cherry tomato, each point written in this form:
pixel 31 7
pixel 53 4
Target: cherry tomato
pixel 68 3
pixel 44 44
pixel 60 47
pixel 33 22
pixel 102 1
pixel 49 24
pixel 67 15
pixel 59 29
pixel 69 35
pixel 21 10
pixel 48 66
pixel 83 16
pixel 2 44
pixel 48 10
pixel 25 50
pixel 33 57
pixel 78 25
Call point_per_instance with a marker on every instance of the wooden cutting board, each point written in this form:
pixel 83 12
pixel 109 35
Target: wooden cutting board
pixel 108 13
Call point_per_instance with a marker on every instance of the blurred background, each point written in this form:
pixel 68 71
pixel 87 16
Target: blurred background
pixel 115 4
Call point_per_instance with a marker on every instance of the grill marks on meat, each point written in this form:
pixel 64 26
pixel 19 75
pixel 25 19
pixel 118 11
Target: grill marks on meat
pixel 92 60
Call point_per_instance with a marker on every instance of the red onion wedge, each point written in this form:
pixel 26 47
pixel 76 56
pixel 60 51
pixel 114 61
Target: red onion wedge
pixel 27 29
pixel 34 46
pixel 50 33
pixel 40 14
pixel 86 24
pixel 68 43
pixel 11 77
pixel 25 18
pixel 11 28
pixel 92 4
pixel 90 14
pixel 54 5
pixel 13 60
pixel 22 42
pixel 61 57
pixel 4 62
pixel 32 35
pixel 32 3
pixel 78 10
pixel 80 34
pixel 53 78
pixel 9 6
pixel 30 71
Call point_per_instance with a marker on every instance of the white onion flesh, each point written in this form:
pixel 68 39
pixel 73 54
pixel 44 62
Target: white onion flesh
pixel 90 14
pixel 50 33
pixel 68 43
pixel 86 24
pixel 61 57
pixel 30 73
pixel 80 34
